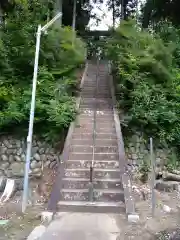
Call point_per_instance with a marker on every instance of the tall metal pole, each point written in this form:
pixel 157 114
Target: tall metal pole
pixel 31 121
pixel 31 118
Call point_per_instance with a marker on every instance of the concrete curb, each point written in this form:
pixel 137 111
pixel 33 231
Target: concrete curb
pixel 48 216
pixel 129 200
pixel 37 233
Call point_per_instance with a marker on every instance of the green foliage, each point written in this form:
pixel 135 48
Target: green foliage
pixel 147 80
pixel 57 82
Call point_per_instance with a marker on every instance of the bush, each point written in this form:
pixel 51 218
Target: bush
pixel 57 82
pixel 147 81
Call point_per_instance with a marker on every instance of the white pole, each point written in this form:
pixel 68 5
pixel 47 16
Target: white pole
pixel 31 121
pixel 31 118
pixel 43 29
pixel 152 177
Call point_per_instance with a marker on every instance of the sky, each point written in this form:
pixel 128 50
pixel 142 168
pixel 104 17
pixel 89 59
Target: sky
pixel 106 20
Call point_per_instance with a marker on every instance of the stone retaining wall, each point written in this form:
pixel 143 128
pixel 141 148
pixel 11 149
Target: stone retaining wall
pixel 137 150
pixel 13 154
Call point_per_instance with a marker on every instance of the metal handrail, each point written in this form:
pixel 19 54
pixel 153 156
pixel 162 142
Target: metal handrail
pixel 91 185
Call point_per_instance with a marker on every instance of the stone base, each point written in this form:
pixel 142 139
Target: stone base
pixel 46 217
pixel 133 218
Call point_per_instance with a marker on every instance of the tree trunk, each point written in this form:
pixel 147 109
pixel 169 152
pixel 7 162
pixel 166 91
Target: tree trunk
pixel 58 8
pixel 113 8
pixel 74 16
pixel 147 13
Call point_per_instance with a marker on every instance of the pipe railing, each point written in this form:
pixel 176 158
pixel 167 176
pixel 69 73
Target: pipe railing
pixel 91 177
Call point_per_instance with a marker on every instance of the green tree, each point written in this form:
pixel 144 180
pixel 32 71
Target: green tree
pixel 157 10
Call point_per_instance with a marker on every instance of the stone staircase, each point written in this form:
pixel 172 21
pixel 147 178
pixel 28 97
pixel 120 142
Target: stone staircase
pixel 96 116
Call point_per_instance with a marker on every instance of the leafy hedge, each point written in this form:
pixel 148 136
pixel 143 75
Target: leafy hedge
pixel 57 80
pixel 148 80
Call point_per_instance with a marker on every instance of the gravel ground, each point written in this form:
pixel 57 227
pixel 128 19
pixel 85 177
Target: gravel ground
pixel 20 225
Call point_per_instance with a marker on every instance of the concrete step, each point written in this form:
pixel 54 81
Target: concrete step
pixel 105 149
pixel 97 149
pixel 85 129
pixel 95 100
pixel 77 135
pixel 90 124
pixel 100 195
pixel 99 107
pixel 90 119
pixel 98 124
pixel 98 157
pixel 92 207
pixel 98 142
pixel 102 95
pixel 98 173
pixel 87 163
pixel 83 183
pixel 86 136
pixel 88 114
pixel 105 113
pixel 93 90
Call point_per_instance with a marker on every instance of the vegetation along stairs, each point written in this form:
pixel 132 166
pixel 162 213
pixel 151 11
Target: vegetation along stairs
pixel 92 175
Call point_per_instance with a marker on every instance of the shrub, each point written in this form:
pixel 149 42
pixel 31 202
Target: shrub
pixel 147 81
pixel 57 82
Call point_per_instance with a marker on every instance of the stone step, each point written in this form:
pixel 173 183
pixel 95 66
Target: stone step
pixel 99 117
pixel 83 183
pixel 99 113
pixel 87 163
pixel 97 149
pixel 83 129
pixel 97 107
pixel 104 118
pixel 94 90
pixel 92 84
pixel 104 96
pixel 90 110
pixel 82 136
pixel 89 135
pixel 95 100
pixel 90 119
pixel 89 156
pixel 99 124
pixel 105 195
pixel 98 173
pixel 91 207
pixel 98 142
